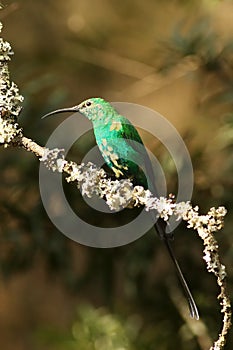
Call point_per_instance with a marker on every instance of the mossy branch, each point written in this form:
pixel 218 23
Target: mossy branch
pixel 119 193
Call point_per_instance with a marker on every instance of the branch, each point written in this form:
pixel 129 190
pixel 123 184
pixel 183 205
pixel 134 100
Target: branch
pixel 117 193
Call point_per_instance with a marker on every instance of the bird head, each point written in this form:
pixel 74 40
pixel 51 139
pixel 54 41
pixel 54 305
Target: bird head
pixel 95 109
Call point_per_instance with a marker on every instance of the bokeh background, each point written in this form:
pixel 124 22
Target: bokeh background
pixel 173 56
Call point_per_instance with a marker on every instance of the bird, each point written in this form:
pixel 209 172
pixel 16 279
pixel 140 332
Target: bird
pixel 125 154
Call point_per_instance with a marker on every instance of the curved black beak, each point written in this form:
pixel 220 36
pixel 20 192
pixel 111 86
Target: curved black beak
pixel 62 110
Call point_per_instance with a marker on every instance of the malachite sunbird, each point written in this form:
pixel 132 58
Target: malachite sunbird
pixel 127 158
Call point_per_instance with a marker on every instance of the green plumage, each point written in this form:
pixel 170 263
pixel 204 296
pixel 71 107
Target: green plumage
pixel 118 140
pixel 123 151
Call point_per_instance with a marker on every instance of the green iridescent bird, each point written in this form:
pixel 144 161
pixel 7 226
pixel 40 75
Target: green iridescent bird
pixel 123 151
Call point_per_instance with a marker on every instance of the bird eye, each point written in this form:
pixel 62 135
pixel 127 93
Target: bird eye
pixel 88 103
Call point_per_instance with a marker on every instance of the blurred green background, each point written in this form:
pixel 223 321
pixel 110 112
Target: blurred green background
pixel 173 56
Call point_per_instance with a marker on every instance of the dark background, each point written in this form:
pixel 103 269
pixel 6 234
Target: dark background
pixel 173 56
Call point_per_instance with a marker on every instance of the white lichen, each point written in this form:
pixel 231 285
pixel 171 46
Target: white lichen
pixel 8 131
pixel 5 50
pixel 10 98
pixel 119 194
pixel 54 159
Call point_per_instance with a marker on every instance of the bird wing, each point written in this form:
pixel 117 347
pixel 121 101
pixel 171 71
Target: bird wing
pixel 134 141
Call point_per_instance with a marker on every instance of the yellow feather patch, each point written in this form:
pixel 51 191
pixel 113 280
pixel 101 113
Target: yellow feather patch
pixel 104 142
pixel 108 153
pixel 115 126
pixel 117 172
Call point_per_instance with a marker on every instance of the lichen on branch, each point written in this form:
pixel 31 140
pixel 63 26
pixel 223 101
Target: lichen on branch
pixel 10 98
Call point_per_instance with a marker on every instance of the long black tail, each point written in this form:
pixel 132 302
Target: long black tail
pixel 147 180
pixel 159 226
